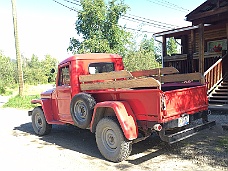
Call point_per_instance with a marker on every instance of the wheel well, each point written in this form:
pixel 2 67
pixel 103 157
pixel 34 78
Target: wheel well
pixel 100 113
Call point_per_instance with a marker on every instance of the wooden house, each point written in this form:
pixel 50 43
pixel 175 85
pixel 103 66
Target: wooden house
pixel 203 47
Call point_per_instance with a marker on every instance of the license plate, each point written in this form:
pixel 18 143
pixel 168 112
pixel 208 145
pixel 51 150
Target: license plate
pixel 184 120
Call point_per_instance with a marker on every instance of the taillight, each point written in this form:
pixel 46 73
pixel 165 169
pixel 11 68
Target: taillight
pixel 157 127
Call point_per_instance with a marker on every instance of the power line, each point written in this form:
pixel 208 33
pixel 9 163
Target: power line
pixel 65 6
pixel 153 20
pixel 129 17
pixel 74 2
pixel 135 18
pixel 138 30
pixel 169 5
pixel 148 23
pixel 174 5
pixel 139 21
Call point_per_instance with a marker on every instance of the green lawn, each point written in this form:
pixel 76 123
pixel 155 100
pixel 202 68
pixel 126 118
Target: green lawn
pixel 24 102
pixel 21 102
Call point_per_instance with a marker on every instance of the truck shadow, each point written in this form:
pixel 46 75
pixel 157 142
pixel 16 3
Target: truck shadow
pixel 65 137
pixel 83 141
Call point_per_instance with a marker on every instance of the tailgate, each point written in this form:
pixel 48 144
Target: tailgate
pixel 185 101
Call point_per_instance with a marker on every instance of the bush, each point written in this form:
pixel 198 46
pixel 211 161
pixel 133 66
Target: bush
pixel 21 102
pixel 2 90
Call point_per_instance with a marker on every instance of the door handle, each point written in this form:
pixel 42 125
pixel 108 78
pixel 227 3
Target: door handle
pixel 67 86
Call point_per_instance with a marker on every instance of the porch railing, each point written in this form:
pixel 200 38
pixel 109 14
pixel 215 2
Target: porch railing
pixel 214 75
pixel 188 64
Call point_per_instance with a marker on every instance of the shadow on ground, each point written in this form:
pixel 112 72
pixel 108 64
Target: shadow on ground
pixel 204 147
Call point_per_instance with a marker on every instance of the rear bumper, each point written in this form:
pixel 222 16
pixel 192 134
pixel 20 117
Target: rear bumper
pixel 192 117
pixel 181 135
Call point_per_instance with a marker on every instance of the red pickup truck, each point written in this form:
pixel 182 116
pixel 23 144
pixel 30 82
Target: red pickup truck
pixel 94 91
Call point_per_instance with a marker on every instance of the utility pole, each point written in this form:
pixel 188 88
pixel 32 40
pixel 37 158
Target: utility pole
pixel 18 54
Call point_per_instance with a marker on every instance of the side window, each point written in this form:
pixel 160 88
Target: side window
pixel 64 76
pixel 101 67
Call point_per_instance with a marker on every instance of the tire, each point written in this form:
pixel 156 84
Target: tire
pixel 81 109
pixel 39 123
pixel 111 141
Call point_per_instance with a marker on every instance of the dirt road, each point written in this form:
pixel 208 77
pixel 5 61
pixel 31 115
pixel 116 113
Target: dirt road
pixel 69 148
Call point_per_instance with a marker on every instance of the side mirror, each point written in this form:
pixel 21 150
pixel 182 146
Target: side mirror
pixel 52 70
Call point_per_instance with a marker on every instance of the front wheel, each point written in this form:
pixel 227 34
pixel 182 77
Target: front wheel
pixel 39 123
pixel 111 141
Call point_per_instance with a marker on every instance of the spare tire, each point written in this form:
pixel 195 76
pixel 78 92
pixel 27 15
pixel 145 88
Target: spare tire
pixel 81 109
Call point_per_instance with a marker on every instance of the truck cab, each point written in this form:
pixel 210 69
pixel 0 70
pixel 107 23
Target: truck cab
pixel 56 102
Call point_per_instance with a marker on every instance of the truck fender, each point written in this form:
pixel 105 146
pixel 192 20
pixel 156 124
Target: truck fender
pixel 46 107
pixel 124 114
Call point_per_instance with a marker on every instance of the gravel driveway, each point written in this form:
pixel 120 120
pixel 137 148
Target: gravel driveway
pixel 69 148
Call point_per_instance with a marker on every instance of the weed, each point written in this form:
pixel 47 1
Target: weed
pixel 22 102
pixel 224 143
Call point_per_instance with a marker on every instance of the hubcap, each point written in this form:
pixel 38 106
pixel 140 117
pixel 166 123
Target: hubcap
pixel 80 110
pixel 38 121
pixel 109 139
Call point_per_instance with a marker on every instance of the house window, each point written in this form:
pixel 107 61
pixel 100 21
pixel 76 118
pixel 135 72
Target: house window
pixel 217 45
pixel 101 67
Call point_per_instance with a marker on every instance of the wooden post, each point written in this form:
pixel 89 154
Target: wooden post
pixel 225 60
pixel 201 48
pixel 227 37
pixel 193 50
pixel 18 54
pixel 164 49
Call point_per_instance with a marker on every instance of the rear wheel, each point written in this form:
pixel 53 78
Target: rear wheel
pixel 39 123
pixel 111 141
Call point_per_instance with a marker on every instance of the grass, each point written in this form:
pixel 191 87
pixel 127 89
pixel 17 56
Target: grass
pixel 6 91
pixel 30 92
pixel 224 142
pixel 24 102
pixel 21 102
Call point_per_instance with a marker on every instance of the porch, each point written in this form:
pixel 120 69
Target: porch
pixel 203 48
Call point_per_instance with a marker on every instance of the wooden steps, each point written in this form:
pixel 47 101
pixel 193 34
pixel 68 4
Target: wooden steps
pixel 220 95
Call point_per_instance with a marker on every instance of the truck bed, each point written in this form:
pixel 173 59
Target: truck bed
pixel 158 95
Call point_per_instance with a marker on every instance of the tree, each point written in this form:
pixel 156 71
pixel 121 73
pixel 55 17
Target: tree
pixel 147 45
pixel 142 59
pixel 97 23
pixel 7 70
pixel 33 72
pixel 39 72
pixel 49 63
pixel 171 46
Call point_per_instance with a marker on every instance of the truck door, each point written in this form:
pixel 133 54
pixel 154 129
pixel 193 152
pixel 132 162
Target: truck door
pixel 63 90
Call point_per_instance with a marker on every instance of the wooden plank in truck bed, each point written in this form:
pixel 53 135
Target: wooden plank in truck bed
pixel 132 83
pixel 181 77
pixel 155 72
pixel 137 79
pixel 105 76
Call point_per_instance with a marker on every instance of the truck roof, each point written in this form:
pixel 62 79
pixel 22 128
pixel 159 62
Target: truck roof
pixel 90 56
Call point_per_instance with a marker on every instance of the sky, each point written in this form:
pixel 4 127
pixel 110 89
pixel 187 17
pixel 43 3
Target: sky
pixel 45 27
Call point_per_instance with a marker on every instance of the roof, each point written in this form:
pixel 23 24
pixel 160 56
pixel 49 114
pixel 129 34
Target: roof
pixel 209 12
pixel 177 30
pixel 90 56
